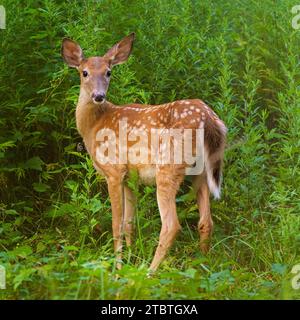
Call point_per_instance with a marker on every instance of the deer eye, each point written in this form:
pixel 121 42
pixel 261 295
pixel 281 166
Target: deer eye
pixel 85 73
pixel 108 73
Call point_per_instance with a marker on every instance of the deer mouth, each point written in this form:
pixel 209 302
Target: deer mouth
pixel 98 102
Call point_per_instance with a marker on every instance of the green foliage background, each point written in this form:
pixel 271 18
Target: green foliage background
pixel 241 57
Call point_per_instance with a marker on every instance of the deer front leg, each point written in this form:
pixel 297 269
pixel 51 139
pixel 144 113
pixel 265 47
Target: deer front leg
pixel 166 194
pixel 130 203
pixel 115 189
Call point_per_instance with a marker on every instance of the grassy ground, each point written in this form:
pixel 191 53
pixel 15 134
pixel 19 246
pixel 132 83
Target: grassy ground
pixel 242 58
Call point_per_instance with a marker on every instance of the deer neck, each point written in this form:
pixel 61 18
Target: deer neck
pixel 87 115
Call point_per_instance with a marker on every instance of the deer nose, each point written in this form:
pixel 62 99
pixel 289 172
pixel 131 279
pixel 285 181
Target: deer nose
pixel 99 97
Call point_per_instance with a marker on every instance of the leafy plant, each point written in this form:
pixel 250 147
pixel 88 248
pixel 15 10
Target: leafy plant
pixel 241 57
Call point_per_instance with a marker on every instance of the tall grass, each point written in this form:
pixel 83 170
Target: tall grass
pixel 241 57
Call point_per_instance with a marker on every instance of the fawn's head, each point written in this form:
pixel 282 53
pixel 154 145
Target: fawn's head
pixel 95 71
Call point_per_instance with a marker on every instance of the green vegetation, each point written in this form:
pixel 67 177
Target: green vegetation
pixel 241 57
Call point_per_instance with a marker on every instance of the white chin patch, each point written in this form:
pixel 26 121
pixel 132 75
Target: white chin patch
pixel 98 102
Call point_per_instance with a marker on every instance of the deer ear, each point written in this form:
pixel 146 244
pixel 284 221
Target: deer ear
pixel 120 52
pixel 71 53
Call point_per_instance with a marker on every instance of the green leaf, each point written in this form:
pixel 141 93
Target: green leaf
pixel 22 251
pixel 279 268
pixel 95 205
pixel 40 187
pixel 71 248
pixel 24 275
pixel 64 209
pixel 11 212
pixel 6 145
pixel 34 163
pixel 40 247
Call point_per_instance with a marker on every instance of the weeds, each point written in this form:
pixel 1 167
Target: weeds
pixel 242 58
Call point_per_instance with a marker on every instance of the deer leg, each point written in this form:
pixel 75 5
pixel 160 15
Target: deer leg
pixel 115 189
pixel 205 225
pixel 130 202
pixel 166 194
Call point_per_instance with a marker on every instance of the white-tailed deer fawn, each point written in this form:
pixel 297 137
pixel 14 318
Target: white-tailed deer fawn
pixel 96 118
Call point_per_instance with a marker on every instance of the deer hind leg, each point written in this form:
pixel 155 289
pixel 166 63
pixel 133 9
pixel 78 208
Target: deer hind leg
pixel 167 188
pixel 205 225
pixel 115 189
pixel 130 204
